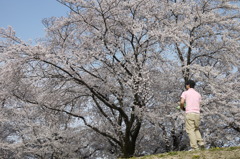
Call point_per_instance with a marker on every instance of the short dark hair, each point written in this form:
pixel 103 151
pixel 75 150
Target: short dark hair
pixel 191 83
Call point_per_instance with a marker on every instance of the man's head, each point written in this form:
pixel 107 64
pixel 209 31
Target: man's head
pixel 190 84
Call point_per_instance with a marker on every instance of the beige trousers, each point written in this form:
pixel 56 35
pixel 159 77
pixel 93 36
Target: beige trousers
pixel 192 129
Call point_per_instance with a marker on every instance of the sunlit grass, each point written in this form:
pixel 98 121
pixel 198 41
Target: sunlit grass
pixel 212 153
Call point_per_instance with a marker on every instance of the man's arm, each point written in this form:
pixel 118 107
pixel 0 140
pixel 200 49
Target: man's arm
pixel 182 103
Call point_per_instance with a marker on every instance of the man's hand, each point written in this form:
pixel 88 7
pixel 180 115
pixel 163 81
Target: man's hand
pixel 182 104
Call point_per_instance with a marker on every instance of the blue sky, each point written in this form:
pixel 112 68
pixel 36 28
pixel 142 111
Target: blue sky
pixel 25 16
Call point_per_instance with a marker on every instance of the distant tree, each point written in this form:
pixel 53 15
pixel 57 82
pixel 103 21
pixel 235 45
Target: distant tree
pixel 210 54
pixel 119 67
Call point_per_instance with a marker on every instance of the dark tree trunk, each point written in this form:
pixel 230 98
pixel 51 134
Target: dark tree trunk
pixel 128 149
pixel 129 143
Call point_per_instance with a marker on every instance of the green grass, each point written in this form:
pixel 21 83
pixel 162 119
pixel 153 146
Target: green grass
pixel 212 153
pixel 196 157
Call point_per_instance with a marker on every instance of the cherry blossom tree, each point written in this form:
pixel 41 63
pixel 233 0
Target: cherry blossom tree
pixel 208 52
pixel 211 55
pixel 116 69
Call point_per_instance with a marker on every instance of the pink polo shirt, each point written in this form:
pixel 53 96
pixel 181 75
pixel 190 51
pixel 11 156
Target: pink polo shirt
pixel 192 99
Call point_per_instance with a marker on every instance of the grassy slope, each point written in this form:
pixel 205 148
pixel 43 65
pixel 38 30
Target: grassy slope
pixel 213 153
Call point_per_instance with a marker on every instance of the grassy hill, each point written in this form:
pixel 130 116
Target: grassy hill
pixel 213 153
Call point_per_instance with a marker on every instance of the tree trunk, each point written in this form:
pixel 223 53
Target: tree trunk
pixel 128 149
pixel 129 144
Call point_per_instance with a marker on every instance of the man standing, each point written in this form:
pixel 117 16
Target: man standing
pixel 192 99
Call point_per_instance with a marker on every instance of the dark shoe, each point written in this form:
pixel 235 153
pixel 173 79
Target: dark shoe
pixel 202 147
